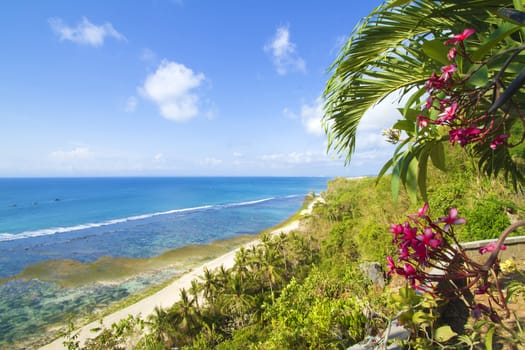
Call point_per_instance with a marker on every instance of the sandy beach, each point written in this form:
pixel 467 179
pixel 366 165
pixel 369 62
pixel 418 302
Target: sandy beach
pixel 171 294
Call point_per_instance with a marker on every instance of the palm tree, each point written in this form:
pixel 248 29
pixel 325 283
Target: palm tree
pixel 236 302
pixel 395 50
pixel 271 267
pixel 161 326
pixel 209 285
pixel 195 290
pixel 241 263
pixel 223 276
pixel 185 317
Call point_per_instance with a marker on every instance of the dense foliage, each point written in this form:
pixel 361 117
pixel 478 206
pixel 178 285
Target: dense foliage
pixel 304 290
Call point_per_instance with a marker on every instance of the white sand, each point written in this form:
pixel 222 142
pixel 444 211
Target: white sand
pixel 166 297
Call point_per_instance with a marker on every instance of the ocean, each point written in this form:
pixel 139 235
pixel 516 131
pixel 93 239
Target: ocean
pixel 85 219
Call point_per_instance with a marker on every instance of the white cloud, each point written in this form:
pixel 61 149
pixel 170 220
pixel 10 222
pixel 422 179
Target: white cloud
pixel 79 153
pixel 170 88
pixel 284 54
pixel 311 116
pixel 131 104
pixel 148 55
pixel 85 32
pixel 210 161
pixel 376 119
pixel 237 154
pixel 382 115
pixel 159 158
pixel 294 158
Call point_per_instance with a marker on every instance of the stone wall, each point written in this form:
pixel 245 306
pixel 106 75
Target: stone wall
pixel 515 248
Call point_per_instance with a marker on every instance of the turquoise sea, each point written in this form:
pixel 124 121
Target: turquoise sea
pixel 83 219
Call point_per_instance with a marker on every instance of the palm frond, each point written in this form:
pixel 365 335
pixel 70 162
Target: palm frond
pixel 384 54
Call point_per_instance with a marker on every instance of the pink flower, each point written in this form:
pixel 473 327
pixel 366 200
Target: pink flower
pixel 434 82
pixel 451 219
pixel 460 37
pixel 422 212
pixel 498 140
pixel 408 270
pixel 428 240
pixel 396 229
pixel 422 121
pixel 449 113
pixel 472 131
pixel 452 53
pixel 447 71
pixel 464 136
pixel 409 232
pixel 456 135
pixel 490 248
pixel 391 265
pixel 403 253
pixel 429 103
pixel 420 254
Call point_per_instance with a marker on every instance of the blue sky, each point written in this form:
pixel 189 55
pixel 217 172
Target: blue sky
pixel 175 88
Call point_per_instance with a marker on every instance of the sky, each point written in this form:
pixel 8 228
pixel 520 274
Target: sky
pixel 176 88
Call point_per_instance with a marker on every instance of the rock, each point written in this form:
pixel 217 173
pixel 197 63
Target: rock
pixel 374 272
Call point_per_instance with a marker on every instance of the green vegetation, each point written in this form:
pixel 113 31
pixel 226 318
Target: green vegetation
pixel 305 290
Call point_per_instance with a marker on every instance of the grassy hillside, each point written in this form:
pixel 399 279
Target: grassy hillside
pixel 306 290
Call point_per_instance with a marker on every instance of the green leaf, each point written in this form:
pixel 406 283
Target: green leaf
pixel 445 333
pixel 422 174
pixel 420 317
pixel 414 99
pixel 503 31
pixel 437 155
pixel 488 338
pixel 411 180
pixel 406 296
pixel 405 125
pixel 436 50
pixel 480 78
pixel 410 114
pixel 395 179
pixel 383 170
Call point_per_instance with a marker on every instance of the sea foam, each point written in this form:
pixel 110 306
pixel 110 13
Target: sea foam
pixel 57 230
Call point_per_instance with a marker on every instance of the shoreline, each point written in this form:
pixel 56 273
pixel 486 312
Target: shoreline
pixel 170 294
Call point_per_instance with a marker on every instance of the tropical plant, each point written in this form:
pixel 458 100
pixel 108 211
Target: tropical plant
pixel 398 49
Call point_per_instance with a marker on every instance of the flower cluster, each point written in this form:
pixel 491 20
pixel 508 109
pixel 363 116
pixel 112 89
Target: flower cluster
pixel 421 244
pixel 428 253
pixel 449 106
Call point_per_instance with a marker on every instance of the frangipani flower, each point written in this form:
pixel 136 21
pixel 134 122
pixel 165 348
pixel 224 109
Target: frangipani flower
pixel 422 212
pixel 452 53
pixel 451 219
pixel 460 37
pixel 498 140
pixel 422 121
pixel 490 248
pixel 448 114
pixel 447 71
